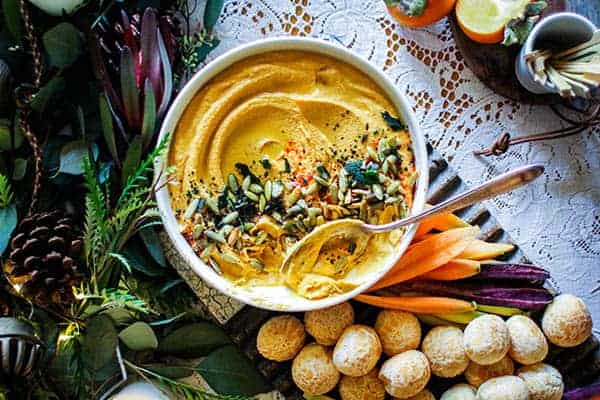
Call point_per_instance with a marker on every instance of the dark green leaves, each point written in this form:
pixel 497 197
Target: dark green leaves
pixel 71 157
pixel 171 371
pixel 149 122
pixel 132 159
pixel 518 29
pixel 12 18
pixel 99 342
pixel 139 336
pixel 228 371
pixel 194 340
pixel 108 130
pixel 8 222
pixel 394 123
pixel 211 13
pixel 360 175
pixel 47 92
pixel 10 139
pixel 64 44
pixel 152 243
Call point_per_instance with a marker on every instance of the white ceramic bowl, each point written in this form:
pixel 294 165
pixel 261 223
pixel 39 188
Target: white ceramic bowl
pixel 278 297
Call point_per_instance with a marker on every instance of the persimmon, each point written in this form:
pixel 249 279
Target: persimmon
pixel 433 11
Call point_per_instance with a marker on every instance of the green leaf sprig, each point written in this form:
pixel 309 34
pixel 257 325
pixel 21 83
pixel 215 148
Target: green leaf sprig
pixel 6 194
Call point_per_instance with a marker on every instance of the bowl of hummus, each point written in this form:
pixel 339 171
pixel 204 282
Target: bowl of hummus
pixel 269 142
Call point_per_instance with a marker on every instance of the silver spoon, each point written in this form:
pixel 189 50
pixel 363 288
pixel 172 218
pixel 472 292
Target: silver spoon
pixel 303 255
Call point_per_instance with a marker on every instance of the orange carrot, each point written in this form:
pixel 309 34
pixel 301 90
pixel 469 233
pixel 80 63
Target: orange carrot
pixel 428 255
pixel 440 222
pixel 453 270
pixel 480 250
pixel 419 304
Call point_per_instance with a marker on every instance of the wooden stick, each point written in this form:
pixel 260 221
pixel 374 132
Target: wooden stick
pixel 593 41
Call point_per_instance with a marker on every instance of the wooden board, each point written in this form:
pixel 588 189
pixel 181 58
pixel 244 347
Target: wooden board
pixel 494 64
pixel 579 365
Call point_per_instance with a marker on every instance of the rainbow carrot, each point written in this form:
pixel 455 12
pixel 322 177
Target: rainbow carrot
pixel 419 304
pixel 454 270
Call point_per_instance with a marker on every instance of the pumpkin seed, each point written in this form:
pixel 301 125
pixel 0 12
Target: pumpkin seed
pixel 197 231
pixel 256 188
pixel 232 182
pixel 251 196
pixel 378 191
pixel 262 203
pixel 233 236
pixel 206 252
pixel 278 217
pixel 226 230
pixel 314 211
pixel 333 192
pixel 372 153
pixel 385 167
pixel 311 189
pixel 215 236
pixel 391 200
pixel 212 204
pixel 277 189
pixel 191 209
pixel 231 196
pixel 231 217
pixel 342 182
pixel 247 227
pixel 294 210
pixel 231 258
pixel 321 181
pixel 246 183
pixel 257 264
pixel 393 187
pixel 268 190
pixel 293 197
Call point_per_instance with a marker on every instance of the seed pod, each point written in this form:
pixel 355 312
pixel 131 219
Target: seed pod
pixel 251 196
pixel 246 183
pixel 215 236
pixel 391 200
pixel 278 217
pixel 268 190
pixel 230 218
pixel 293 197
pixel 378 191
pixel 206 252
pixel 212 204
pixel 321 181
pixel 342 182
pixel 232 182
pixel 262 203
pixel 231 196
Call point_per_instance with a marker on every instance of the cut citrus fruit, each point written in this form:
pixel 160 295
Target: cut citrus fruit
pixel 484 20
pixel 433 12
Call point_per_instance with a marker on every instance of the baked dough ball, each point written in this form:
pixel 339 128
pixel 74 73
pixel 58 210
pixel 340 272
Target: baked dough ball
pixel 443 346
pixel 423 395
pixel 486 339
pixel 326 325
pixel 357 350
pixel 313 370
pixel 476 374
pixel 543 381
pixel 503 388
pixel 399 331
pixel 528 344
pixel 405 374
pixel 280 338
pixel 366 387
pixel 567 321
pixel 460 391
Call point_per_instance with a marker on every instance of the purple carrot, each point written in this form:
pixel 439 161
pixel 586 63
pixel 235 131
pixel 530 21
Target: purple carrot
pixel 583 393
pixel 523 297
pixel 521 272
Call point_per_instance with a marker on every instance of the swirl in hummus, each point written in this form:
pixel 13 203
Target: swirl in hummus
pixel 278 144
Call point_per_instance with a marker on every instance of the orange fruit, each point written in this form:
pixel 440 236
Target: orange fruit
pixel 484 20
pixel 434 11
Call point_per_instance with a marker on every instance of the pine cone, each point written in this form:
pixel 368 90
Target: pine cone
pixel 42 258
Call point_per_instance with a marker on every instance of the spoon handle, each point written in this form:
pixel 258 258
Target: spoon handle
pixel 501 184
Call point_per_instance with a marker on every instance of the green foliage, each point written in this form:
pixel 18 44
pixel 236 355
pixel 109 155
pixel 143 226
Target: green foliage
pixel 12 19
pixel 6 194
pixel 63 43
pixel 211 13
pixel 194 340
pixel 139 336
pixel 8 222
pixel 99 343
pixel 518 29
pixel 49 91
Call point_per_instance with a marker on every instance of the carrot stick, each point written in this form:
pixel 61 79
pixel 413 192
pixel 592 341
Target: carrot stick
pixel 440 222
pixel 419 304
pixel 428 255
pixel 480 250
pixel 454 270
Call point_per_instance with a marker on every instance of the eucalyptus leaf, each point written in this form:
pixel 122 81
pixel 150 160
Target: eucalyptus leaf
pixel 170 371
pixel 20 169
pixel 228 371
pixel 211 13
pixel 139 336
pixel 152 243
pixel 13 19
pixel 132 159
pixel 47 93
pixel 8 222
pixel 72 155
pixel 99 342
pixel 193 340
pixel 138 260
pixel 206 47
pixel 120 315
pixel 64 44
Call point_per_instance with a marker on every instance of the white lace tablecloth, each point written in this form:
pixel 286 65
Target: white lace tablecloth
pixel 555 221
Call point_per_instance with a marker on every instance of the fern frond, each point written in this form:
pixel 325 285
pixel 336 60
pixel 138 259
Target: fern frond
pixel 123 299
pixel 6 194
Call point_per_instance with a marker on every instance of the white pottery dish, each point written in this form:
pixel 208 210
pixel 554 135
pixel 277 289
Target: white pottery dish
pixel 281 298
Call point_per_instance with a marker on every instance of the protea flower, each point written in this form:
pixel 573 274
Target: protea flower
pixel 133 60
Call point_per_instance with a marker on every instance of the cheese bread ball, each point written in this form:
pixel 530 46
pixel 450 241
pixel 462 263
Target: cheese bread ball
pixel 567 321
pixel 399 331
pixel 313 370
pixel 476 374
pixel 366 387
pixel 443 346
pixel 528 344
pixel 280 338
pixel 423 395
pixel 326 325
pixel 543 381
pixel 357 350
pixel 460 391
pixel 486 339
pixel 503 388
pixel 405 374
